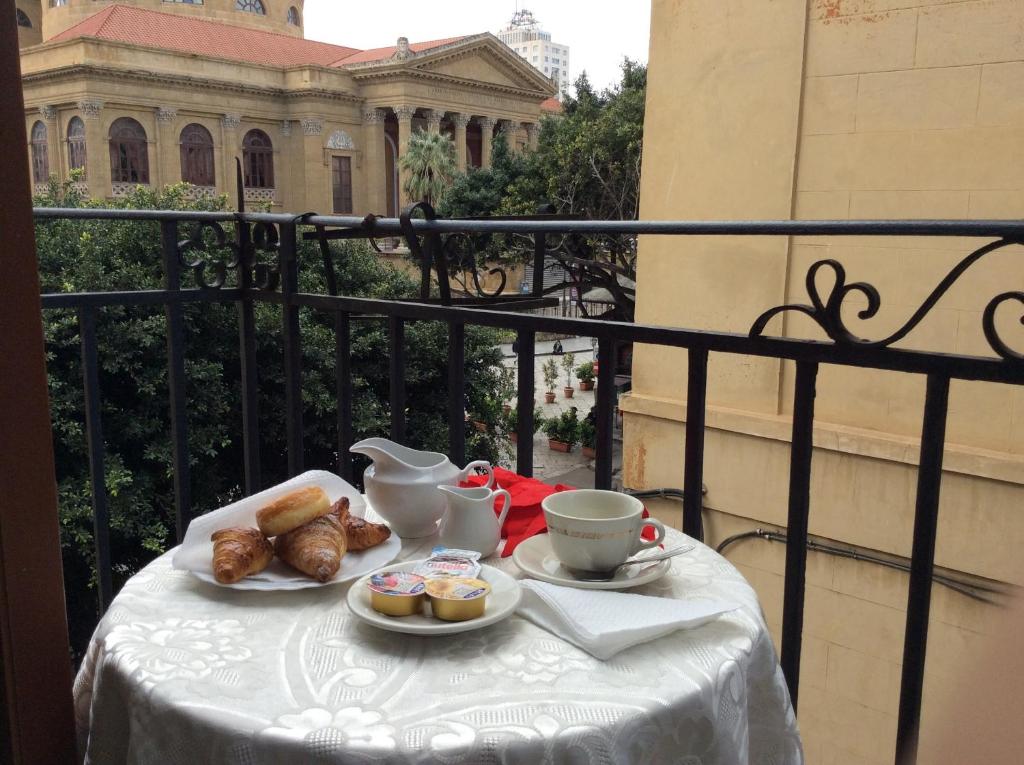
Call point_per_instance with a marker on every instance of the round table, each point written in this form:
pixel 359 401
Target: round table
pixel 180 671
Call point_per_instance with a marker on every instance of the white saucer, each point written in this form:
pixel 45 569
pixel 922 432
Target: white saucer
pixel 535 557
pixel 501 603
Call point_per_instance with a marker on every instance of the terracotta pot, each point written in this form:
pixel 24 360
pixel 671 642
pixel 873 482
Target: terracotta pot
pixel 589 452
pixel 558 446
pixel 568 390
pixel 586 384
pixel 513 437
pixel 481 426
pixel 549 397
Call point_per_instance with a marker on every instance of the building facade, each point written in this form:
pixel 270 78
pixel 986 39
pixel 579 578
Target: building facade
pixel 803 109
pixel 524 35
pixel 155 92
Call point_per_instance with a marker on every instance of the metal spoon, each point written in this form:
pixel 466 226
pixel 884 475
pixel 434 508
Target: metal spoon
pixel 605 576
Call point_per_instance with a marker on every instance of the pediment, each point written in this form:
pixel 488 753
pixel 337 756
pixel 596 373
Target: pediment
pixel 485 60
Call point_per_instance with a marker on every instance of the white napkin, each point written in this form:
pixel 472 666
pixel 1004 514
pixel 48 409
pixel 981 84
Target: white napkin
pixel 603 623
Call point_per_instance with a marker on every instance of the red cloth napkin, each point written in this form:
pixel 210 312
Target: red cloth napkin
pixel 526 518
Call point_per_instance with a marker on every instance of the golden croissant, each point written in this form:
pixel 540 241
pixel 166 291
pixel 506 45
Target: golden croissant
pixel 238 553
pixel 360 533
pixel 315 548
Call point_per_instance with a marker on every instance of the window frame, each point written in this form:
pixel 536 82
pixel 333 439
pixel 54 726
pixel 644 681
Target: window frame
pixel 39 148
pixel 77 146
pixel 197 155
pixel 251 6
pixel 257 160
pixel 129 154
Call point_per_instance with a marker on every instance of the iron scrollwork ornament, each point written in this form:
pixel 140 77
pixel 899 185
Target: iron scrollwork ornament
pixel 193 254
pixel 827 314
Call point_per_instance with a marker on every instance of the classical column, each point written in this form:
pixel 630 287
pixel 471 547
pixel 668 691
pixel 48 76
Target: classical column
pixel 404 114
pixel 97 149
pixel 230 150
pixel 487 138
pixel 317 185
pixel 506 131
pixel 286 177
pixel 168 154
pixel 434 120
pixel 533 136
pixel 53 142
pixel 461 147
pixel 374 163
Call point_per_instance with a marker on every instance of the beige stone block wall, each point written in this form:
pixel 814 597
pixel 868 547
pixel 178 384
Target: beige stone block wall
pixel 838 109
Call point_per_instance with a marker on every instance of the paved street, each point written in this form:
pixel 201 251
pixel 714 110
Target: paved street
pixel 572 468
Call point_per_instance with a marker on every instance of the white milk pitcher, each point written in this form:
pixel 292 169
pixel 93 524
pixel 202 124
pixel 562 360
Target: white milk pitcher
pixel 401 484
pixel 469 522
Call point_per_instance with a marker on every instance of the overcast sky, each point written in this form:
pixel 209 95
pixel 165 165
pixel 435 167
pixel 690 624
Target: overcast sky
pixel 598 32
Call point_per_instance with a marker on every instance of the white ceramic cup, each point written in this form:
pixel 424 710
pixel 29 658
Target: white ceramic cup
pixel 596 530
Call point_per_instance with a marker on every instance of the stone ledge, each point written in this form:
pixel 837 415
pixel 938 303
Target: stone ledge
pixel 845 439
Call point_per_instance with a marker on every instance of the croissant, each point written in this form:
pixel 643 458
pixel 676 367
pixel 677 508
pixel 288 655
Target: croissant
pixel 239 552
pixel 315 548
pixel 360 533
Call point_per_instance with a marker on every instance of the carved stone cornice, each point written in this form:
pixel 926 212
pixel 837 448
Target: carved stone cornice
pixel 286 128
pixel 49 113
pixel 373 116
pixel 231 121
pixel 90 108
pixel 312 125
pixel 487 123
pixel 117 77
pixel 470 86
pixel 404 112
pixel 166 114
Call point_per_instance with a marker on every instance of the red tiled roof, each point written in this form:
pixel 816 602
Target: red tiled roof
pixel 378 54
pixel 172 31
pixel 551 105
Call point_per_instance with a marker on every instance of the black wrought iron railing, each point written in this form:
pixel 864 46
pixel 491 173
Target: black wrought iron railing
pixel 263 268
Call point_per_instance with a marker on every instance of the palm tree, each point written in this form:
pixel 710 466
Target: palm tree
pixel 429 163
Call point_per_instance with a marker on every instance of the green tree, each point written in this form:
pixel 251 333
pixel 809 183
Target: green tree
pixel 90 255
pixel 429 163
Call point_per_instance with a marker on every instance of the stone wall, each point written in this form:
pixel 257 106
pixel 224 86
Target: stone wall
pixel 837 109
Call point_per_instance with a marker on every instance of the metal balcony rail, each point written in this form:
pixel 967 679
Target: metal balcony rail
pixel 264 269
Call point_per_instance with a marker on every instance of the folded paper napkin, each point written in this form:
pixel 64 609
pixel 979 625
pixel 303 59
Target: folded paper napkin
pixel 603 623
pixel 526 518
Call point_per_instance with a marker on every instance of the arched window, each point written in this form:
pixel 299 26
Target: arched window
pixel 293 16
pixel 40 153
pixel 76 144
pixel 129 155
pixel 197 156
pixel 58 3
pixel 258 160
pixel 251 6
pixel 24 21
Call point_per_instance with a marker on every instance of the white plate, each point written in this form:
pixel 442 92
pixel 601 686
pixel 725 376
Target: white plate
pixel 196 551
pixel 536 558
pixel 501 603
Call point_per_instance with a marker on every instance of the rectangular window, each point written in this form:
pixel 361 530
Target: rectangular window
pixel 342 182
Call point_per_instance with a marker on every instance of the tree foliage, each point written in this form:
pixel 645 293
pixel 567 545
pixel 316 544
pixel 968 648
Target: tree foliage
pixel 429 163
pixel 89 255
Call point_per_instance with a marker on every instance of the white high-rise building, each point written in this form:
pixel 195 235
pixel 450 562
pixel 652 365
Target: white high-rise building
pixel 524 35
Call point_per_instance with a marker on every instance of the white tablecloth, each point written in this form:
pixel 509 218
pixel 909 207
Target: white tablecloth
pixel 180 671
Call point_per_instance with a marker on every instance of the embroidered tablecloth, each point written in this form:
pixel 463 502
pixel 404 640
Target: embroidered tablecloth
pixel 180 671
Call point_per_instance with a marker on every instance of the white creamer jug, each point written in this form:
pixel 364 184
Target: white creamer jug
pixel 469 523
pixel 401 484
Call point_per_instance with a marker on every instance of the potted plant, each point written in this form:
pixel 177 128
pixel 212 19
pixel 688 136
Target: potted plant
pixel 585 374
pixel 588 436
pixel 563 431
pixel 510 423
pixel 550 370
pixel 568 361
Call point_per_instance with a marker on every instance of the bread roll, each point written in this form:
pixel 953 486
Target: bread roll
pixel 238 553
pixel 292 510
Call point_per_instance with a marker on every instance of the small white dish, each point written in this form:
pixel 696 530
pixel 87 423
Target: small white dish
pixel 501 603
pixel 536 558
